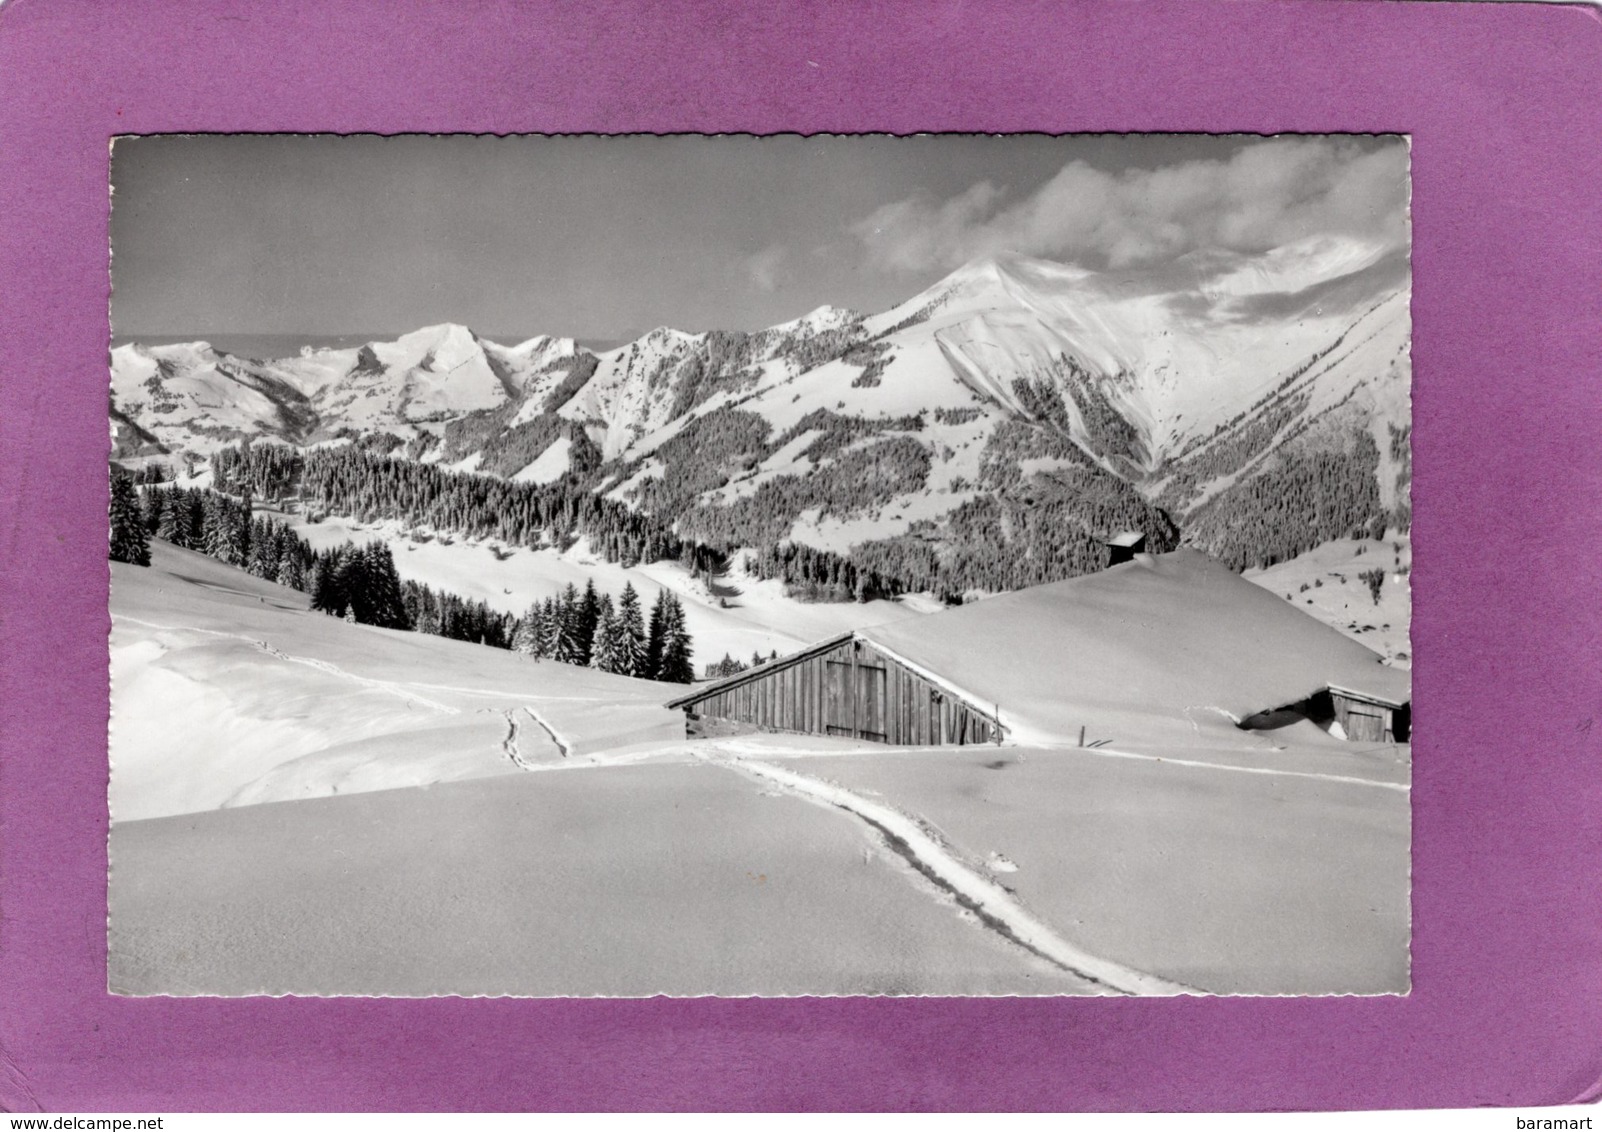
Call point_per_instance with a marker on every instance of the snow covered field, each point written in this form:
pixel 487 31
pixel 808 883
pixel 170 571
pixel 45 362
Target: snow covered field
pixel 302 805
pixel 1236 882
pixel 680 879
pixel 228 690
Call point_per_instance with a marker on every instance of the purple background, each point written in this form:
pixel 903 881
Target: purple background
pixel 1503 106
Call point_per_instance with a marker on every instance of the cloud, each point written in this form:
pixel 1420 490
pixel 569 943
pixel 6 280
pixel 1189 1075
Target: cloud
pixel 766 268
pixel 1268 194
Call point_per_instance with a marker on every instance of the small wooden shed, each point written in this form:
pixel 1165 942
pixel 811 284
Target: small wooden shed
pixel 1379 709
pixel 845 686
pixel 1124 546
pixel 1370 716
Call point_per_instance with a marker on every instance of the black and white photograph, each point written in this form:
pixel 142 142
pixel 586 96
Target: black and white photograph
pixel 620 566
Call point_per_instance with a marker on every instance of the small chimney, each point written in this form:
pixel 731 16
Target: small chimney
pixel 1123 547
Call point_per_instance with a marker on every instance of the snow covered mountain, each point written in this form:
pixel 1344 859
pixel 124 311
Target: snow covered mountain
pixel 193 398
pixel 985 433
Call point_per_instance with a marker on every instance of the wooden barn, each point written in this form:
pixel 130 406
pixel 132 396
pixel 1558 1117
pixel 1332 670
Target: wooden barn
pixel 1162 647
pixel 845 686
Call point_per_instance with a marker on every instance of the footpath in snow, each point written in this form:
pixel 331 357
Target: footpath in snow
pixel 995 908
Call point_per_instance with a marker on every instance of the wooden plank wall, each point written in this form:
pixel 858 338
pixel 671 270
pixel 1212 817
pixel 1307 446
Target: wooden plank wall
pixel 852 690
pixel 1363 721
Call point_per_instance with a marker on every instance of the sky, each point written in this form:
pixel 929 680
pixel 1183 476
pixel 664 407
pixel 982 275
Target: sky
pixel 603 238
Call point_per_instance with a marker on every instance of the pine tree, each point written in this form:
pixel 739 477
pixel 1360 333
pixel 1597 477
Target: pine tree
pixel 654 640
pixel 550 627
pixel 153 503
pixel 324 585
pixel 567 647
pixel 386 606
pixel 265 548
pixel 677 654
pixel 289 571
pixel 222 536
pixel 130 542
pixel 171 525
pixel 589 619
pixel 607 653
pixel 351 571
pixel 239 549
pixel 526 639
pixel 728 666
pixel 421 608
pixel 214 526
pixel 631 635
pixel 193 527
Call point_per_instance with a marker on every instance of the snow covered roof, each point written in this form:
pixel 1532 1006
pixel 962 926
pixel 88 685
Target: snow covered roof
pixel 1127 538
pixel 758 671
pixel 1175 638
pixel 1397 697
pixel 1174 635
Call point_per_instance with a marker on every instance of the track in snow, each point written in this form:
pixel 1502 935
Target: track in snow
pixel 388 687
pixel 512 746
pixel 561 744
pixel 509 745
pixel 1280 772
pixel 995 907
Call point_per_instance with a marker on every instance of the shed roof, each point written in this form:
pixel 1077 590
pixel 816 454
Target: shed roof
pixel 758 671
pixel 1168 634
pixel 1394 698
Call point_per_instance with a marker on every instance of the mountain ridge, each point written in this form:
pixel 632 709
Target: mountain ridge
pixel 1011 384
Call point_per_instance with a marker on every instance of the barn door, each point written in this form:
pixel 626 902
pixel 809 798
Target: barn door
pixel 854 696
pixel 871 702
pixel 837 696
